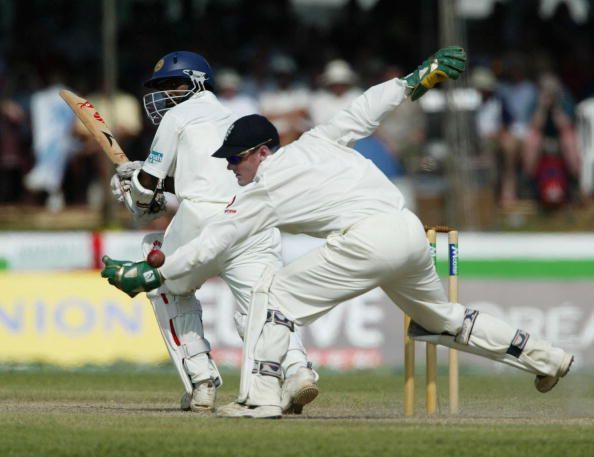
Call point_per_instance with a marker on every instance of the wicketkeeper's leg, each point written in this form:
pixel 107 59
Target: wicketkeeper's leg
pixel 304 290
pixel 243 271
pixel 419 293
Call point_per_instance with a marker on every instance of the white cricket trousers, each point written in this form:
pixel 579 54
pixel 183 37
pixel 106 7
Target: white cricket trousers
pixel 386 250
pixel 391 251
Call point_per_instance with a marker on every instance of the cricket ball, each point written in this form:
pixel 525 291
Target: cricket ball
pixel 155 258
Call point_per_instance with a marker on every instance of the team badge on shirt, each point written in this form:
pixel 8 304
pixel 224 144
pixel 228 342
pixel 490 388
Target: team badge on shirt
pixel 230 210
pixel 155 157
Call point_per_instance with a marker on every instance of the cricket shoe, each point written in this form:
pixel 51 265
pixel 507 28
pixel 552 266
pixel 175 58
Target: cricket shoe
pixel 201 399
pixel 256 412
pixel 299 389
pixel 545 383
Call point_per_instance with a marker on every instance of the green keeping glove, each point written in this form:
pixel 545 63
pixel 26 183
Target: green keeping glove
pixel 131 277
pixel 447 63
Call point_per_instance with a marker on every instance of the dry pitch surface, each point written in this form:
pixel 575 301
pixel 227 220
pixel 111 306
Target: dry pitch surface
pixel 133 412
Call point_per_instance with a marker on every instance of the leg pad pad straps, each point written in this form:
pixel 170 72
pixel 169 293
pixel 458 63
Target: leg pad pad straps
pixel 199 346
pixel 463 335
pixel 267 369
pixel 518 343
pixel 276 317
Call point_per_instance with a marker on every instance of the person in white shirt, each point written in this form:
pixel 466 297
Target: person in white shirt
pixel 53 143
pixel 338 90
pixel 319 186
pixel 191 126
pixel 228 85
pixel 286 103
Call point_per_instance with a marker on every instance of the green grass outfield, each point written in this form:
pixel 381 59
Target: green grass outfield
pixel 133 412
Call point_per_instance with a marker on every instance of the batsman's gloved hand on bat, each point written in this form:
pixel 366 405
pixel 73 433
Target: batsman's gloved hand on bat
pixel 117 190
pixel 131 277
pixel 447 63
pixel 120 181
pixel 126 169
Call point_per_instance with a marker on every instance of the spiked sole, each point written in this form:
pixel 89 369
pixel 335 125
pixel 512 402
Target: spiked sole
pixel 302 398
pixel 545 384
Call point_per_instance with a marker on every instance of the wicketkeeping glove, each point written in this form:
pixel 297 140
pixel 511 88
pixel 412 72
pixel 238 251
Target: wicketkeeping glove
pixel 447 63
pixel 131 277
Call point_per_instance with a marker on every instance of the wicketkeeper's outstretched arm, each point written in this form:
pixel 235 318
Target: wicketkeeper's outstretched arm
pixel 366 112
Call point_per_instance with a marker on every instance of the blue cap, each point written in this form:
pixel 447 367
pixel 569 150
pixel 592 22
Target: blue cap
pixel 247 133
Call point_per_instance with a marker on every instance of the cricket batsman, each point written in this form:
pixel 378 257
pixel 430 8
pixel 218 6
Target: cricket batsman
pixel 191 126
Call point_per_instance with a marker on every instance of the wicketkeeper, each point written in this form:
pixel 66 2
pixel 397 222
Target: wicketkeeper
pixel 319 186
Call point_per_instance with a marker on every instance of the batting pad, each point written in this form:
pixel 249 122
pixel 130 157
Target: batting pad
pixel 265 345
pixel 494 339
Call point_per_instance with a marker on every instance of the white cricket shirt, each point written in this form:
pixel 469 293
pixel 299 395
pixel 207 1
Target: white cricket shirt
pixel 182 147
pixel 316 185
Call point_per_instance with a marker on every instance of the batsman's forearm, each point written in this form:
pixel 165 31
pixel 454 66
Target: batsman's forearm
pixel 147 180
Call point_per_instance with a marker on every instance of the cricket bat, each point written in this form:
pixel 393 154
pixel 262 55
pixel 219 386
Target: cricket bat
pixel 93 121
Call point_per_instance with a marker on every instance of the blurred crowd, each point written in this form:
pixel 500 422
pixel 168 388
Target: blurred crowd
pixel 530 114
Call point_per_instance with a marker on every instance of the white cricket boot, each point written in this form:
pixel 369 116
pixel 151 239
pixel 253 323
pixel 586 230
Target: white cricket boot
pixel 202 398
pixel 257 412
pixel 545 383
pixel 299 389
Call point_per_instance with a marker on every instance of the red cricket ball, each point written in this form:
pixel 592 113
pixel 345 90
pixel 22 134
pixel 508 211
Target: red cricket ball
pixel 155 258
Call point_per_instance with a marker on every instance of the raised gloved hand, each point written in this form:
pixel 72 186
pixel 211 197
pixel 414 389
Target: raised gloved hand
pixel 131 277
pixel 447 63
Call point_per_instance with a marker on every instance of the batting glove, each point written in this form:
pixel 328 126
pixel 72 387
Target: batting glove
pixel 131 277
pixel 120 181
pixel 447 63
pixel 120 189
pixel 126 169
pixel 117 187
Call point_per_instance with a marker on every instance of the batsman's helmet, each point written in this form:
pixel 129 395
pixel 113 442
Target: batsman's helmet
pixel 180 65
pixel 170 71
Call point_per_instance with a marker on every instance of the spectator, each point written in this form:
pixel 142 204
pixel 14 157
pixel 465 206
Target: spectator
pixel 492 122
pixel 551 155
pixel 337 92
pixel 518 94
pixel 286 105
pixel 228 84
pixel 585 130
pixel 53 142
pixel 14 151
pixel 13 154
